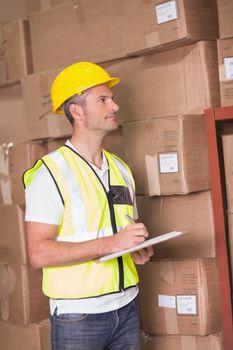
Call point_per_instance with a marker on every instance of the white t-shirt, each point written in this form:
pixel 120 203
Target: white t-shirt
pixel 43 204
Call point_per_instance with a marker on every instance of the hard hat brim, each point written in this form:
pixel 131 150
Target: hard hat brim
pixel 110 83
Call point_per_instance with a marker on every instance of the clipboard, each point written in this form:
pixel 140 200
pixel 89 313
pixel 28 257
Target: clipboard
pixel 145 244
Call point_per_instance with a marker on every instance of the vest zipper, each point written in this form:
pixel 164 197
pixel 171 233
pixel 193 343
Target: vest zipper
pixel 112 215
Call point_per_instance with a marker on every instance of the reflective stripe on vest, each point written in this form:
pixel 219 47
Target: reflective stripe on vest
pixel 89 213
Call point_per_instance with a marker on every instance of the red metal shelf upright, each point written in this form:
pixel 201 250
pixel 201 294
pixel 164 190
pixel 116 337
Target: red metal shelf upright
pixel 214 120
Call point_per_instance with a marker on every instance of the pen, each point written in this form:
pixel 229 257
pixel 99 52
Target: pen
pixel 130 219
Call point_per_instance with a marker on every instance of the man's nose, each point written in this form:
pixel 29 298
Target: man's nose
pixel 115 106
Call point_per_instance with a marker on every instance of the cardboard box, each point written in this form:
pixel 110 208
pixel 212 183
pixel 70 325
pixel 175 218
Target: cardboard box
pixel 180 297
pixel 225 61
pixel 12 234
pixel 225 12
pixel 40 120
pixel 12 121
pixel 90 31
pixel 178 81
pixel 22 300
pixel 162 24
pixel 14 336
pixel 167 155
pixel 183 342
pixel 16 59
pixel 11 170
pixel 34 336
pixel 192 213
pixel 227 144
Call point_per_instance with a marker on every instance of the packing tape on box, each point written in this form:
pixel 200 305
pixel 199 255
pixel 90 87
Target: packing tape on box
pixel 170 314
pixel 152 39
pixel 222 72
pixel 80 12
pixel 188 342
pixel 166 271
pixel 171 321
pixel 5 182
pixel 152 173
pixel 7 285
pixel 45 4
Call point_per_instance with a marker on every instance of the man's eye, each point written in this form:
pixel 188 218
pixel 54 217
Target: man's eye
pixel 102 100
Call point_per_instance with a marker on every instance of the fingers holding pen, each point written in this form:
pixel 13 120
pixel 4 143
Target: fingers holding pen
pixel 131 235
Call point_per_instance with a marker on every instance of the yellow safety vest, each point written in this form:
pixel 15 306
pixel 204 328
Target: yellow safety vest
pixel 89 212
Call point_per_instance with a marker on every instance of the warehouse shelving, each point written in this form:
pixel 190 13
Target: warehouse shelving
pixel 217 121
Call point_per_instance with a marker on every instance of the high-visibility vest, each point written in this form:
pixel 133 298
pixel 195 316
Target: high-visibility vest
pixel 90 212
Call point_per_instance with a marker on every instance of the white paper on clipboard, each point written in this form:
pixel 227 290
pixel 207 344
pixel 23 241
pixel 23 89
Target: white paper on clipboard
pixel 145 244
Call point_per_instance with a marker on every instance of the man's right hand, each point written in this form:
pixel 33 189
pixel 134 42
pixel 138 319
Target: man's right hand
pixel 130 236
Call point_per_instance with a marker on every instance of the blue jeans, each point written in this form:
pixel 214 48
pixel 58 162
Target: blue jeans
pixel 114 330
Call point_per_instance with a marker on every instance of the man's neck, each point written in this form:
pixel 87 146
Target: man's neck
pixel 91 150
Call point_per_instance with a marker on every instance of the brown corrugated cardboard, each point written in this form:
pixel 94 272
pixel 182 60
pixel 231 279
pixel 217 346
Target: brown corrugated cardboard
pixel 160 24
pixel 45 335
pixel 41 122
pixel 12 121
pixel 11 170
pixel 14 336
pixel 22 300
pixel 167 155
pixel 225 62
pixel 225 13
pixel 15 51
pixel 178 81
pixel 191 213
pixel 89 31
pixel 227 143
pixel 176 342
pixel 180 297
pixel 12 234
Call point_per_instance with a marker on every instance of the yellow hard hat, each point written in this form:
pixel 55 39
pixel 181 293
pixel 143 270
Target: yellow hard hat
pixel 75 79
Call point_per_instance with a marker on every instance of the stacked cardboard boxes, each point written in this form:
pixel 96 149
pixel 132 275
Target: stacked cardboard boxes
pixel 166 55
pixel 225 51
pixel 23 306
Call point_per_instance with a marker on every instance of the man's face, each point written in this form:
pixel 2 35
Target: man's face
pixel 99 110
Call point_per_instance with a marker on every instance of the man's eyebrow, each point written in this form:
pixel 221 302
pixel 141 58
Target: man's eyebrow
pixel 105 96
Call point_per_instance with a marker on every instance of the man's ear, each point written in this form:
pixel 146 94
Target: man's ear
pixel 76 111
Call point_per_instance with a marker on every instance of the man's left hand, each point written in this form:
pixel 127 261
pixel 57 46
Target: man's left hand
pixel 141 256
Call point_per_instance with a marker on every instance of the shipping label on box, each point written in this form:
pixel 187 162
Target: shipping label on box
pixel 166 12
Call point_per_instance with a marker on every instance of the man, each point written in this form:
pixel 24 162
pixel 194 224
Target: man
pixel 78 203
